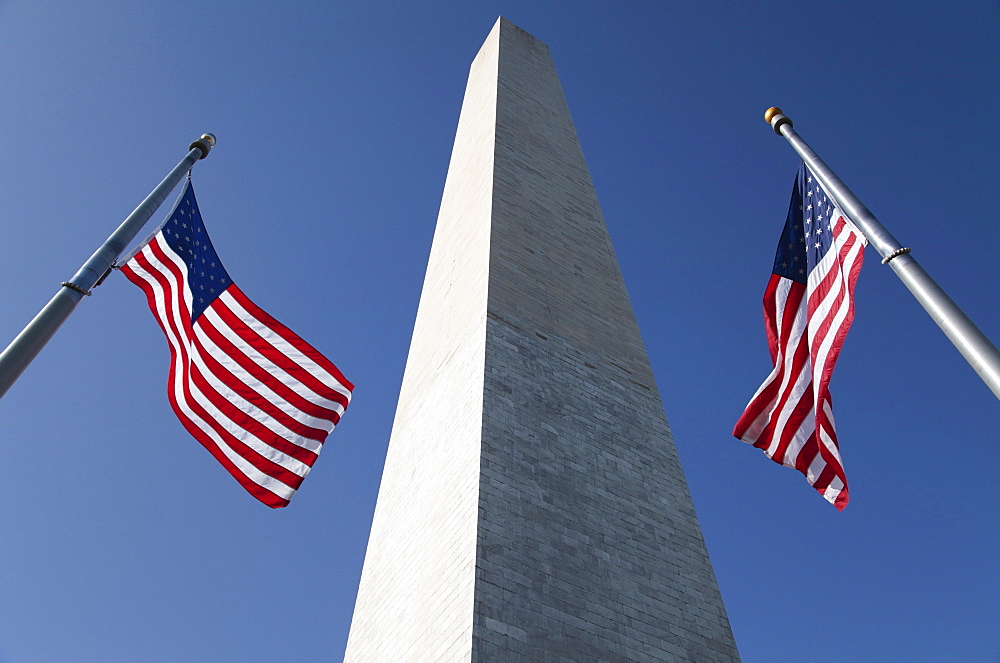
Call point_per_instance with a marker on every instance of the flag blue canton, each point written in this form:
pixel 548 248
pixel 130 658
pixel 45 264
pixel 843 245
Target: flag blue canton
pixel 817 219
pixel 807 234
pixel 185 233
pixel 790 259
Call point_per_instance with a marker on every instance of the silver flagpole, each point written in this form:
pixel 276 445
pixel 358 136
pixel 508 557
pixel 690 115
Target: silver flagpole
pixel 23 349
pixel 977 349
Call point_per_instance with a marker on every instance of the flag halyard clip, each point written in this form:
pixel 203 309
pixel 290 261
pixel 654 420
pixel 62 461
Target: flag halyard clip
pixel 111 267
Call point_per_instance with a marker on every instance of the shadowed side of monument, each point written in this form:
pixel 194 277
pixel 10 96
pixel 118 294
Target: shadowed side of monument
pixel 532 506
pixel 588 544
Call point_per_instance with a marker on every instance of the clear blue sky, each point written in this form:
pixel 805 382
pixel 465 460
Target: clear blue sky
pixel 122 540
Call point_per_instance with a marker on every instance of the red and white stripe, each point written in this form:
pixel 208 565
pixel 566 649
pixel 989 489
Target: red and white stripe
pixel 258 397
pixel 790 417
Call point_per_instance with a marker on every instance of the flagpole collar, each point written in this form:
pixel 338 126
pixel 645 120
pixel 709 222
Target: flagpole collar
pixel 776 118
pixel 73 286
pixel 205 144
pixel 895 254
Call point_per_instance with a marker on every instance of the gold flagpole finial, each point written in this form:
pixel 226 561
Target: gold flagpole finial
pixel 205 143
pixel 776 118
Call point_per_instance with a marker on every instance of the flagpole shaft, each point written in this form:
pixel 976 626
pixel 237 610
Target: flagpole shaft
pixel 26 346
pixel 977 349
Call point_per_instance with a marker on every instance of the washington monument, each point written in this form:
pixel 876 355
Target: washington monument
pixel 532 506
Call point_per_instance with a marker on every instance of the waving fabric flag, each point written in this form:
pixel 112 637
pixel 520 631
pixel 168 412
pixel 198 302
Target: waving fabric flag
pixel 808 308
pixel 258 397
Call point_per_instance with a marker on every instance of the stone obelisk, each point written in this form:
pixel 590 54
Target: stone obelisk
pixel 532 506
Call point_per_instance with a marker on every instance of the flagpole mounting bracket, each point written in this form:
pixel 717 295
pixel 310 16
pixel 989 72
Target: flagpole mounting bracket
pixel 895 254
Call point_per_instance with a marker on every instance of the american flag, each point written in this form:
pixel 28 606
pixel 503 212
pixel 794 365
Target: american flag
pixel 808 308
pixel 258 397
